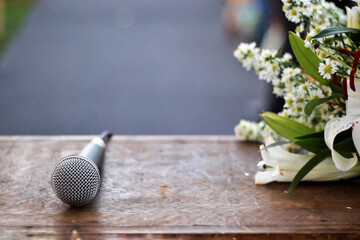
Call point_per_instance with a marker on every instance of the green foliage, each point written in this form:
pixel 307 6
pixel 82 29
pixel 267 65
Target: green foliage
pixel 344 147
pixel 307 58
pixel 15 13
pixel 336 89
pixel 275 144
pixel 313 142
pixel 335 30
pixel 286 127
pixel 312 135
pixel 313 145
pixel 312 163
pixel 313 103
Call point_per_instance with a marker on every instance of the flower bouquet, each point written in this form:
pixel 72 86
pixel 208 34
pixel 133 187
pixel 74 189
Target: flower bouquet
pixel 317 135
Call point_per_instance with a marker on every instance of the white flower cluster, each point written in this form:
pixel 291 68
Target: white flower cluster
pixel 252 131
pixel 313 16
pixel 288 80
pixel 318 13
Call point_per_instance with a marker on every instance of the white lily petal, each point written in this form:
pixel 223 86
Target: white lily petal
pixel 353 102
pixel 342 163
pixel 263 177
pixel 356 134
pixel 277 171
pixel 348 14
pixel 320 173
pixel 317 176
pixel 283 155
pixel 332 129
pixel 284 159
pixel 329 174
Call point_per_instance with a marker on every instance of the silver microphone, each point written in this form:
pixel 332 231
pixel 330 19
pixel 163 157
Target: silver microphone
pixel 76 179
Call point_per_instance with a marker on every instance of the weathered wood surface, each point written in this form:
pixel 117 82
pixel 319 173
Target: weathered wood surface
pixel 182 187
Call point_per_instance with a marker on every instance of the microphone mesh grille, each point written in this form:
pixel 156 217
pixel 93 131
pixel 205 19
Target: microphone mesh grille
pixel 75 180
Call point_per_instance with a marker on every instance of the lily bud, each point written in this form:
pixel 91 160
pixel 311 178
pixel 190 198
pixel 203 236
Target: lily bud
pixel 353 17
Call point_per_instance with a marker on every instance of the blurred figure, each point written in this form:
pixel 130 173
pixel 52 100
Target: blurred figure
pixel 260 21
pixel 248 20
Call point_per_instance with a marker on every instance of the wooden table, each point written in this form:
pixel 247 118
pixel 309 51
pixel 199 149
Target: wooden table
pixel 156 187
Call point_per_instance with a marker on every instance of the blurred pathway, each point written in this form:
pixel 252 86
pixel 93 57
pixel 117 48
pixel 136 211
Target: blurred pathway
pixel 133 67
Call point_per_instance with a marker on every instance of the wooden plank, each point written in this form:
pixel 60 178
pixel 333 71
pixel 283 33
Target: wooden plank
pixel 157 187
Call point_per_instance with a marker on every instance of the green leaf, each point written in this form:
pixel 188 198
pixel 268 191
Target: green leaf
pixel 355 37
pixel 336 89
pixel 274 145
pixel 307 58
pixel 317 135
pixel 286 127
pixel 313 145
pixel 313 162
pixel 335 30
pixel 344 147
pixel 313 142
pixel 313 103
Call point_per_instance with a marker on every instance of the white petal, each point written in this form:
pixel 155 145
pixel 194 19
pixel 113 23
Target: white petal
pixel 332 129
pixel 263 177
pixel 356 134
pixel 277 171
pixel 285 166
pixel 282 155
pixel 348 14
pixel 353 102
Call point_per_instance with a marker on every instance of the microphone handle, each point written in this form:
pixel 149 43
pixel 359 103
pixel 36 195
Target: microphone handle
pixel 94 151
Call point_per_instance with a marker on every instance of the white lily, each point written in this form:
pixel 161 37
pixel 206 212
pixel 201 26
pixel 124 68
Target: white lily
pixel 282 166
pixel 353 16
pixel 338 125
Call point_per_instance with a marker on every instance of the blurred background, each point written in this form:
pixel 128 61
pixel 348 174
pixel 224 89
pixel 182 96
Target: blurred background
pixel 132 66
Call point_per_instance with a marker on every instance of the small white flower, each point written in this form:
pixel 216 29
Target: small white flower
pixel 313 9
pixel 244 49
pixel 299 29
pixel 304 87
pixel 290 100
pixel 263 74
pixel 322 55
pixel 272 71
pixel 289 75
pixel 251 131
pixel 267 54
pixel 287 57
pixel 308 37
pixel 316 93
pixel 318 28
pixel 293 14
pixel 278 91
pixel 247 54
pixel 291 72
pixel 328 68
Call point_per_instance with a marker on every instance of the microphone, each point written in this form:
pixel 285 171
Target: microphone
pixel 76 179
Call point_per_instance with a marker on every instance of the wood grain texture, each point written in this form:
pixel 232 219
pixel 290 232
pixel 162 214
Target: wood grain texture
pixel 161 187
